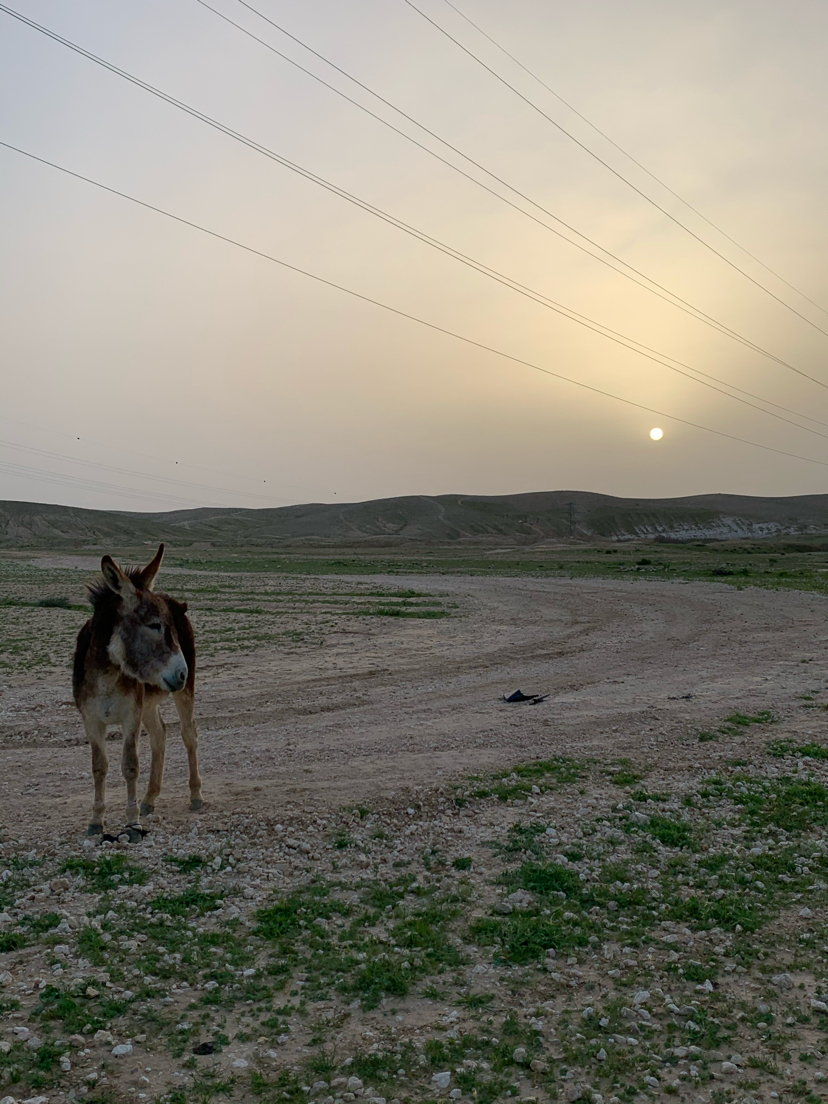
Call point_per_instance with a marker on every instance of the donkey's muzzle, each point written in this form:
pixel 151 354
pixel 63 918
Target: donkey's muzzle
pixel 175 676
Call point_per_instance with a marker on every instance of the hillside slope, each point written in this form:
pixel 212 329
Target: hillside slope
pixel 520 518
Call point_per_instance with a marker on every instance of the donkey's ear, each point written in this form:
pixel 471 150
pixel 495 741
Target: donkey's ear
pixel 146 577
pixel 116 580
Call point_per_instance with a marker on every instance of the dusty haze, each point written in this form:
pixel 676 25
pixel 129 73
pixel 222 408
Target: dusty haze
pixel 134 343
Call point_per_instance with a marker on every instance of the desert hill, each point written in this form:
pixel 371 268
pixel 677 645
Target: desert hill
pixel 518 519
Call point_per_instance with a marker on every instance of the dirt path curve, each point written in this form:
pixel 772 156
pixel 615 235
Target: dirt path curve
pixel 631 668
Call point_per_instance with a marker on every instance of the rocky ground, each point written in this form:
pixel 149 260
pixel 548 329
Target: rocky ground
pixel 614 896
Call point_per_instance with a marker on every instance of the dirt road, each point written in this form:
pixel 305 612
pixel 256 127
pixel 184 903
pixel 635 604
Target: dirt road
pixel 385 704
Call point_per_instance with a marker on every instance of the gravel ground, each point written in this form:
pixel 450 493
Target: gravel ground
pixel 402 888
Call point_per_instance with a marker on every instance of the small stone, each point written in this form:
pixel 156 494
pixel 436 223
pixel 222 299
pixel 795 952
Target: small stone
pixel 819 1006
pixel 537 1065
pixel 8 1100
pixel 33 1043
pixel 601 1055
pixel 782 981
pixel 805 913
pixel 441 1080
pixel 820 1076
pixel 573 1092
pixel 318 1086
pixel 737 1059
pixel 354 1085
pixel 456 1094
pixel 240 1063
pixel 729 1067
pixel 519 1054
pixel 103 1038
pixel 122 1050
pixel 642 996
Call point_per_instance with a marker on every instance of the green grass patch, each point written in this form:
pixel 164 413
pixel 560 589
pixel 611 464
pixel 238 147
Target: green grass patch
pixel 106 872
pixel 781 749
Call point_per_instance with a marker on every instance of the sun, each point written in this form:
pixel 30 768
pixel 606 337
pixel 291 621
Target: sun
pixel 656 434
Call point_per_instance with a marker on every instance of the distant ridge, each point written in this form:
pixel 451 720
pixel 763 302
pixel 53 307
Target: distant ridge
pixel 519 519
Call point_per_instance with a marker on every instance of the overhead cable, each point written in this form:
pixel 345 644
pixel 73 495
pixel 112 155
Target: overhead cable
pixel 412 317
pixel 651 285
pixel 142 475
pixel 630 157
pixel 609 167
pixel 52 431
pixel 493 274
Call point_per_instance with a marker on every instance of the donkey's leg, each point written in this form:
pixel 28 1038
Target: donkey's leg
pixel 96 734
pixel 158 742
pixel 185 704
pixel 129 760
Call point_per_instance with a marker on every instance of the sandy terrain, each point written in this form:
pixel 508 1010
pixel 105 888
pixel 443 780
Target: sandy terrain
pixel 631 669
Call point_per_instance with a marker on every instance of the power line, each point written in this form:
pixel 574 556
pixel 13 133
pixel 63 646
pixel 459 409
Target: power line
pixel 154 456
pixel 663 292
pixel 630 157
pixel 607 165
pixel 412 317
pixel 130 471
pixel 11 468
pixel 596 327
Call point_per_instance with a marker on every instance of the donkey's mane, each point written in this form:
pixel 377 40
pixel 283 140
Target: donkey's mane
pixel 100 596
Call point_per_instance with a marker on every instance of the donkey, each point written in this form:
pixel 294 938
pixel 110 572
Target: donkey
pixel 137 648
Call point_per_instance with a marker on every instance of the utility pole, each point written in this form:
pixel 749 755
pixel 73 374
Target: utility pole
pixel 570 507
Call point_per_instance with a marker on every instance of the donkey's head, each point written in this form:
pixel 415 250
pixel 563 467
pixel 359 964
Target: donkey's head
pixel 144 642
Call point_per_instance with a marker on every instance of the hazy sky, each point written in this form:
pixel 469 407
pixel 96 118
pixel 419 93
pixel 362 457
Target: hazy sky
pixel 143 346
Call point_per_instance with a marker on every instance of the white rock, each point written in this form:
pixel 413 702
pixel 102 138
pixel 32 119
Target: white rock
pixel 805 913
pixel 8 1100
pixel 782 981
pixel 354 1085
pixel 519 1054
pixel 441 1080
pixel 240 1063
pixel 819 1006
pixel 122 1050
pixel 728 1067
pixel 36 1100
pixel 456 1094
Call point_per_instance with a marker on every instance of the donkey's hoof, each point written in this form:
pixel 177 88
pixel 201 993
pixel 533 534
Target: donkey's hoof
pixel 134 833
pixel 196 803
pixel 146 809
pixel 94 830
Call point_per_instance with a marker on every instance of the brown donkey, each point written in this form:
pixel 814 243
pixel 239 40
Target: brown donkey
pixel 137 648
